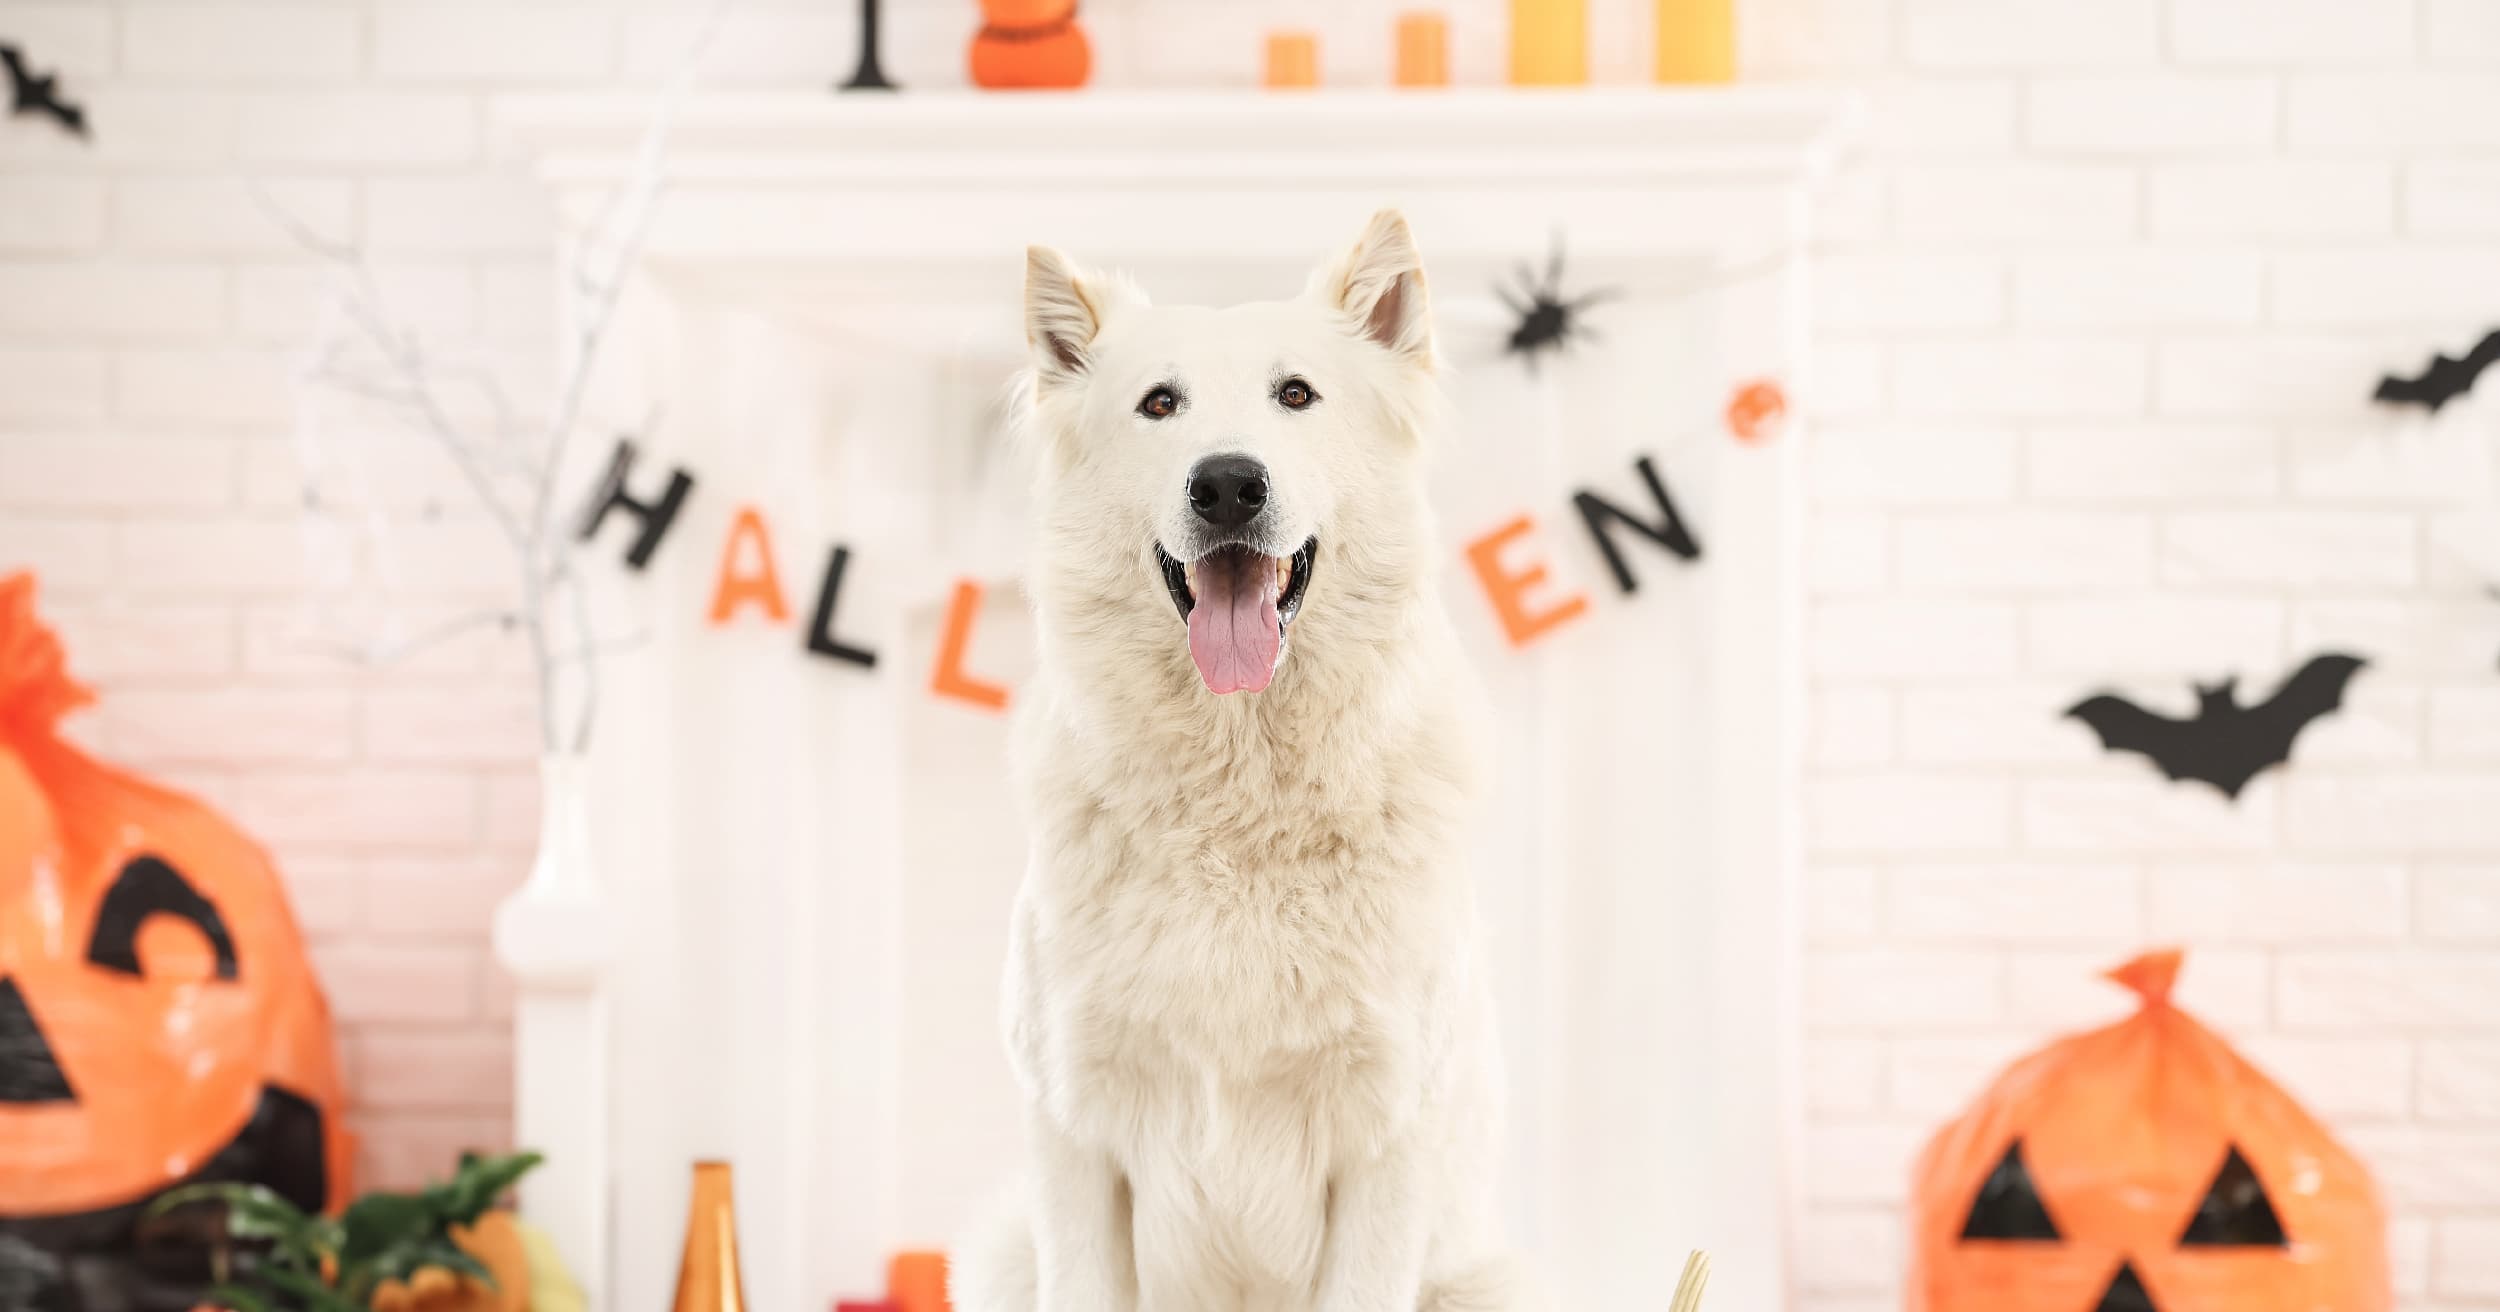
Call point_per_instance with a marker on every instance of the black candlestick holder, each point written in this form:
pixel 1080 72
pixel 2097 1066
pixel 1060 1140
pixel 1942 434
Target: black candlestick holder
pixel 869 76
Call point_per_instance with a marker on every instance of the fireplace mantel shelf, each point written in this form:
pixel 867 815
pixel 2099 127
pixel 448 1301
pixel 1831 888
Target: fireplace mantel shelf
pixel 785 175
pixel 971 137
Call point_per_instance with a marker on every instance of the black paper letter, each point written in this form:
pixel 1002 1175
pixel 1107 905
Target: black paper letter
pixel 1668 533
pixel 820 639
pixel 654 516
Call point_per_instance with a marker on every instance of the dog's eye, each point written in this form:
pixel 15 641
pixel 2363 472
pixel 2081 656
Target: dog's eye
pixel 1159 403
pixel 1295 394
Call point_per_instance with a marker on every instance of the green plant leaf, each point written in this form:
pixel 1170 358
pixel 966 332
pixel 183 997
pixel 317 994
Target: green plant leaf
pixel 481 1181
pixel 237 1298
pixel 308 1290
pixel 252 1212
pixel 377 1221
pixel 404 1262
pixel 459 1260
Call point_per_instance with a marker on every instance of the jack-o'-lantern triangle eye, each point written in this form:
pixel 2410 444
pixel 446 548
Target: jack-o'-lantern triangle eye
pixel 28 1072
pixel 2008 1205
pixel 2236 1212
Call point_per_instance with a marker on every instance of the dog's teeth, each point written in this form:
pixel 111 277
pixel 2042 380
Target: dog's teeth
pixel 1284 573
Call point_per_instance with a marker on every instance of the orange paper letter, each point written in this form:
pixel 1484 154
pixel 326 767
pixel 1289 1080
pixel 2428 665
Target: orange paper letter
pixel 1508 589
pixel 738 588
pixel 949 679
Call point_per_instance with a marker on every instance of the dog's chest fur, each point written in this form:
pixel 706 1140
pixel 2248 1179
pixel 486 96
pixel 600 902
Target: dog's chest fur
pixel 1235 966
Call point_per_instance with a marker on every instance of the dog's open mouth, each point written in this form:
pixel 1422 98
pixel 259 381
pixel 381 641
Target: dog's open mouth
pixel 1237 603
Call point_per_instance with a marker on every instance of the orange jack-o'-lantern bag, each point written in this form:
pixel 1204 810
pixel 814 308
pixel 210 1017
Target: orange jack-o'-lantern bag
pixel 2144 1167
pixel 159 1022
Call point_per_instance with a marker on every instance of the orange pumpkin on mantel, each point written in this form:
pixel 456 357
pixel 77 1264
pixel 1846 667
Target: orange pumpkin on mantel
pixel 2144 1167
pixel 1030 45
pixel 159 1021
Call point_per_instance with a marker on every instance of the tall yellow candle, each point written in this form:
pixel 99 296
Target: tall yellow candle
pixel 1696 40
pixel 1549 42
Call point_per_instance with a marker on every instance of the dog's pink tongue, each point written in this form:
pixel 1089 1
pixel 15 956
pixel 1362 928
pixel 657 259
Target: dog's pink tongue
pixel 1234 632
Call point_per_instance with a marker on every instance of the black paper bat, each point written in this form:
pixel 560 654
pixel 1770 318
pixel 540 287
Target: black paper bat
pixel 29 94
pixel 2226 744
pixel 2444 380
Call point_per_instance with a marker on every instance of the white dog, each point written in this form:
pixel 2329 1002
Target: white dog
pixel 1243 994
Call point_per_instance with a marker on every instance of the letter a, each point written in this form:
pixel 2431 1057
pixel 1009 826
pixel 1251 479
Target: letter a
pixel 760 586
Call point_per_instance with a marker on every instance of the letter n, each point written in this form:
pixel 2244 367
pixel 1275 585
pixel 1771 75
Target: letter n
pixel 1668 532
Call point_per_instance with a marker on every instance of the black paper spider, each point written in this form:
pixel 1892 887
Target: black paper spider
pixel 32 94
pixel 1547 322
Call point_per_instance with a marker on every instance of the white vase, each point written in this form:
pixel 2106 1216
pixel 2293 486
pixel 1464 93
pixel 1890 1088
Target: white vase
pixel 553 935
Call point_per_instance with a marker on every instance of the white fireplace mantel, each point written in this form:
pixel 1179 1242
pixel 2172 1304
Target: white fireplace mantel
pixel 874 179
pixel 822 273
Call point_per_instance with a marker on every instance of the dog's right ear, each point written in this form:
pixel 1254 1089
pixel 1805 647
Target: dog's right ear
pixel 1061 317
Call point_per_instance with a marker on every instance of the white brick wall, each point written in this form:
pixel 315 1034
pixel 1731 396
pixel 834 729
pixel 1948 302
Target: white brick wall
pixel 2108 325
pixel 2098 320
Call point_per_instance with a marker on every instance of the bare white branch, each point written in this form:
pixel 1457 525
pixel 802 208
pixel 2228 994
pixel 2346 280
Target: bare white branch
pixel 367 353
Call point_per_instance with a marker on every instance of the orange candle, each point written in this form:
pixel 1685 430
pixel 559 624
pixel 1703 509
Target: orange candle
pixel 916 1282
pixel 1696 40
pixel 1549 42
pixel 1423 50
pixel 1292 59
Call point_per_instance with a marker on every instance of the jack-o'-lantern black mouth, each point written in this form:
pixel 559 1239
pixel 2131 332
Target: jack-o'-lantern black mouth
pixel 120 1257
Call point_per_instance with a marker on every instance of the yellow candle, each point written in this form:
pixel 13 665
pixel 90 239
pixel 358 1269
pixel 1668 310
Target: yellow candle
pixel 1696 40
pixel 1549 42
pixel 1423 51
pixel 1292 59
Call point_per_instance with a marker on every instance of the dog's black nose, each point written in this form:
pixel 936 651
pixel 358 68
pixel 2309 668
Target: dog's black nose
pixel 1228 491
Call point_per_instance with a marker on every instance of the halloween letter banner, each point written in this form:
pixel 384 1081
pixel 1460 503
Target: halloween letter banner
pixel 747 579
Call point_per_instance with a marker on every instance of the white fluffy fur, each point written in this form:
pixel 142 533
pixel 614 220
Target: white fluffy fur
pixel 1243 994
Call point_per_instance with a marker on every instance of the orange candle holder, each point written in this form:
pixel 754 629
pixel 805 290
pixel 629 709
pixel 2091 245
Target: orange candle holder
pixel 1549 43
pixel 1423 50
pixel 1697 41
pixel 708 1279
pixel 1292 60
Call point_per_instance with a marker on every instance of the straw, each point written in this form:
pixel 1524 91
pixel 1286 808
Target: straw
pixel 1688 1289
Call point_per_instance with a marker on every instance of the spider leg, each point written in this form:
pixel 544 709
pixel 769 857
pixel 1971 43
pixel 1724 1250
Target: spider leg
pixel 1511 299
pixel 1598 297
pixel 1554 269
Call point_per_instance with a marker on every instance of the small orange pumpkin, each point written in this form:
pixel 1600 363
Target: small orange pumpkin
pixel 159 1021
pixel 1027 14
pixel 497 1243
pixel 1755 411
pixel 2144 1167
pixel 1030 45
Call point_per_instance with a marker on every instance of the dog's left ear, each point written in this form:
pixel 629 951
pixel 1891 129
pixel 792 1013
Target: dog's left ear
pixel 1379 287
